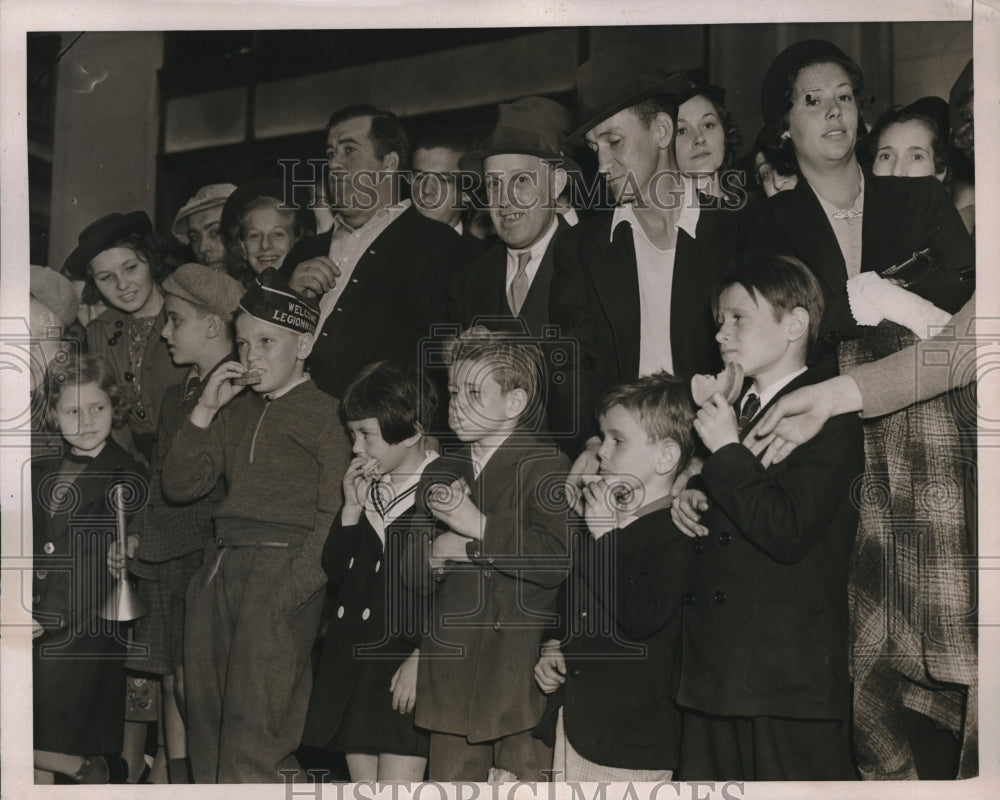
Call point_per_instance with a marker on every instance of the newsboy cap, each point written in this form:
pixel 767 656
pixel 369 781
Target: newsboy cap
pixel 211 196
pixel 54 292
pixel 205 286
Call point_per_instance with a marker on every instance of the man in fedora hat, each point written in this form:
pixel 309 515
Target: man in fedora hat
pixel 524 171
pixel 633 285
pixel 381 273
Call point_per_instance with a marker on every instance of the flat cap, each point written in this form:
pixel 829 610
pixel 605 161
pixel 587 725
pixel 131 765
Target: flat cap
pixel 54 292
pixel 204 286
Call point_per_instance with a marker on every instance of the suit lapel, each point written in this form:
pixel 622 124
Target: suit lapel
pixel 536 305
pixel 366 270
pixel 615 277
pixel 877 226
pixel 805 225
pixel 497 476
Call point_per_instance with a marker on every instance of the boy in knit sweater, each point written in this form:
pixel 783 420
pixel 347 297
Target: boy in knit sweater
pixel 254 607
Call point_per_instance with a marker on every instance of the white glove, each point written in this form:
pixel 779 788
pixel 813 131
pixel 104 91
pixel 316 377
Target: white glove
pixel 873 299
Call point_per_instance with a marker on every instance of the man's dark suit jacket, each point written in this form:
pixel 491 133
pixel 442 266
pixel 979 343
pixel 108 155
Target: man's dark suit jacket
pixel 901 216
pixel 765 620
pixel 396 293
pixel 479 291
pixel 594 298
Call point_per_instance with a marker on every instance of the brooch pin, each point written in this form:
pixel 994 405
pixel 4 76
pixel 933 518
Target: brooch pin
pixel 848 213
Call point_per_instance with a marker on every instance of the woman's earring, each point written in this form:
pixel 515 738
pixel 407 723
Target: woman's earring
pixel 786 135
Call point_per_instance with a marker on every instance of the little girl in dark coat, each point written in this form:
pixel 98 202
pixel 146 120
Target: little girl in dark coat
pixel 365 689
pixel 78 658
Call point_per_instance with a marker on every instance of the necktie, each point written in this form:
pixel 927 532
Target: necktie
pixel 520 285
pixel 750 408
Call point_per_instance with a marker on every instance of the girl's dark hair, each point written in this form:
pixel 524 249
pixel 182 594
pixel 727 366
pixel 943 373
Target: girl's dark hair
pixel 784 160
pixel 80 370
pixel 398 397
pixel 868 146
pixel 147 247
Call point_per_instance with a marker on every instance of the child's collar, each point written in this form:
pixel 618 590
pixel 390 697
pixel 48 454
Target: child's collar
pixel 653 505
pixel 286 388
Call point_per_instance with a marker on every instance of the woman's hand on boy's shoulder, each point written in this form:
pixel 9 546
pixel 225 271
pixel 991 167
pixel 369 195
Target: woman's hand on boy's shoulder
pixel 686 511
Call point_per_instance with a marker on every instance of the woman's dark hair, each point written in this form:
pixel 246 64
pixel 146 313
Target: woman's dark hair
pixel 868 146
pixel 147 247
pixel 774 131
pixel 62 373
pixel 731 129
pixel 398 397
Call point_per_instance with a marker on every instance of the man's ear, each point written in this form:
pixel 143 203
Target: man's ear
pixel 797 323
pixel 305 345
pixel 559 181
pixel 668 458
pixel 663 127
pixel 390 162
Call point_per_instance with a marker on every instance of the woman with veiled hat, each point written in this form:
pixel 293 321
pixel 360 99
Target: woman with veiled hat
pixel 122 263
pixel 913 651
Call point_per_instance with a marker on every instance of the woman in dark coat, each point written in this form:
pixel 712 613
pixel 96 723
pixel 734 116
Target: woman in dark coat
pixel 913 655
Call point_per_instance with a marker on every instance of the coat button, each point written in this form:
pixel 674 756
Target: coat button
pixel 36 599
pixel 42 574
pixel 350 564
pixel 496 626
pixel 219 541
pixel 576 672
pixel 365 614
pixel 687 599
pixel 488 576
pixel 698 545
pixel 719 596
pixel 49 548
pixel 490 560
pixel 340 613
pixel 726 538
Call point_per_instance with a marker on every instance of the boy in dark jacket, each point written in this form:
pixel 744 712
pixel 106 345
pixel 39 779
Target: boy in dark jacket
pixel 613 660
pixel 764 672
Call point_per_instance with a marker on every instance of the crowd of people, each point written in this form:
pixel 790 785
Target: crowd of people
pixel 416 474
